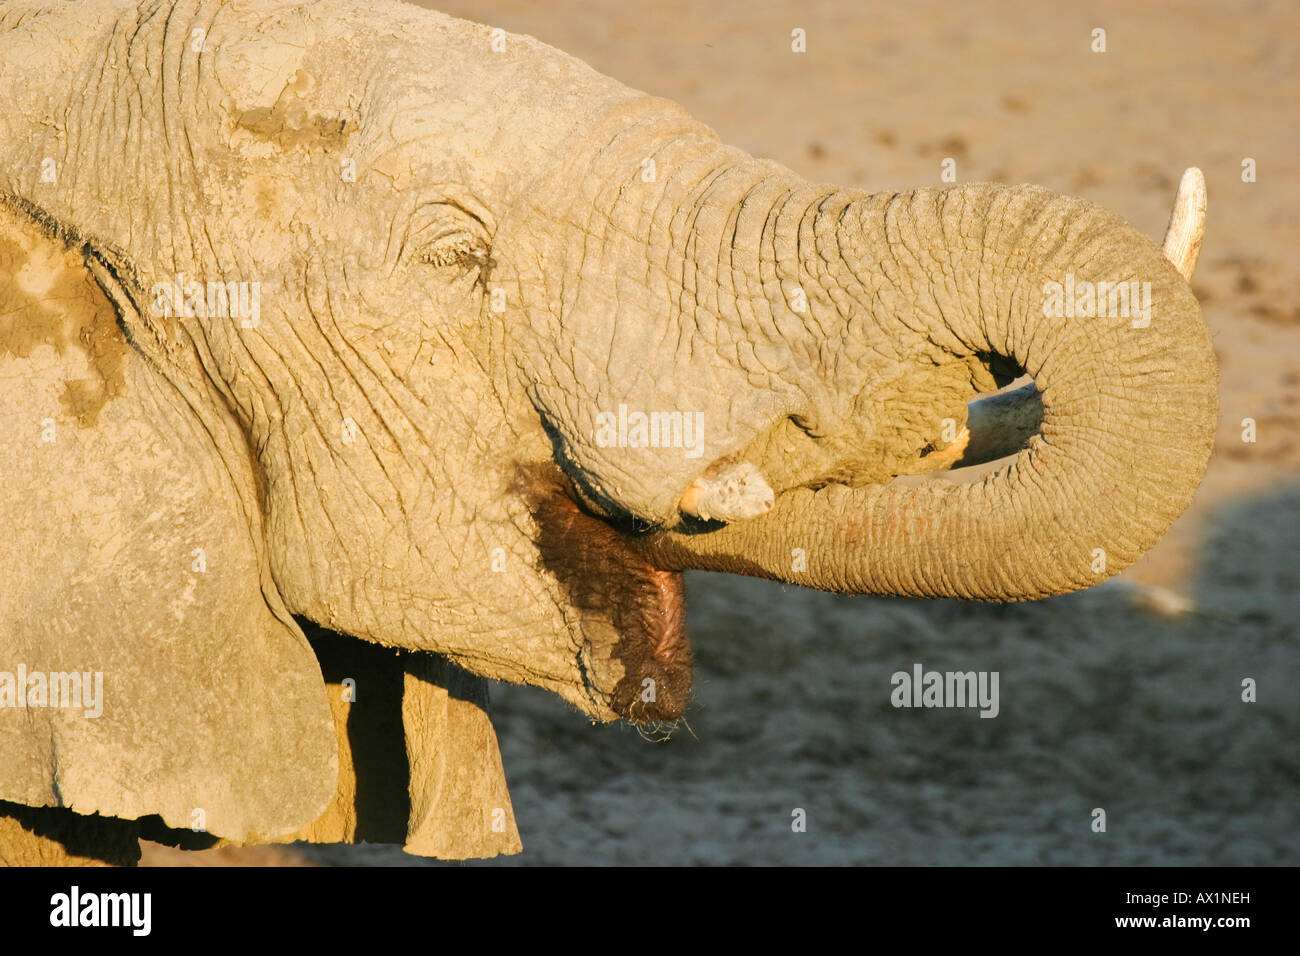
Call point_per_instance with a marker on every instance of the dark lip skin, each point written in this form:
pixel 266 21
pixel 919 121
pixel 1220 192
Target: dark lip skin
pixel 635 612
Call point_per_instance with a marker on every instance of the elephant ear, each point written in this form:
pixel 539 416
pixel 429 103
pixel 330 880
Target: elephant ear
pixel 147 665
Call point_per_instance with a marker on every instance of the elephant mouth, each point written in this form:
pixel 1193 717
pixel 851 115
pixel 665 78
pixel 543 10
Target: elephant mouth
pixel 636 655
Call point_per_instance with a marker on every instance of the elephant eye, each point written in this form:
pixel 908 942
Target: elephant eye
pixel 446 235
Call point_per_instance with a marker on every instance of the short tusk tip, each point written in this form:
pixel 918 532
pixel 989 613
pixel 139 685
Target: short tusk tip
pixel 1182 245
pixel 731 491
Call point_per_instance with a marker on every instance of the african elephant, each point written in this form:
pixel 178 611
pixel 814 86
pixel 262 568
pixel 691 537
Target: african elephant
pixel 352 355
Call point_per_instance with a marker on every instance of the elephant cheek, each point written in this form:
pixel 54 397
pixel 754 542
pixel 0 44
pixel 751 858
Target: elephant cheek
pixel 632 614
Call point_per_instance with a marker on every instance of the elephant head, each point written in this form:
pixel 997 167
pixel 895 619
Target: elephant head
pixel 361 315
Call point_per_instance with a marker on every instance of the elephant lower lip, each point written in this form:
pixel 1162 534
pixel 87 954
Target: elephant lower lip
pixel 631 612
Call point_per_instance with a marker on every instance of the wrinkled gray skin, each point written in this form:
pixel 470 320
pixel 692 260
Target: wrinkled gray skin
pixel 468 247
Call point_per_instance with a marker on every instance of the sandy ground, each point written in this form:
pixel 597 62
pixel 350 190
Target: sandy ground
pixel 1126 698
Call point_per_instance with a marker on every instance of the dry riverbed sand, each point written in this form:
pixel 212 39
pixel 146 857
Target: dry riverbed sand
pixel 1127 697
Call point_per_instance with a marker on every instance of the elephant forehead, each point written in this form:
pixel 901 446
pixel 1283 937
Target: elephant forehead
pixel 304 75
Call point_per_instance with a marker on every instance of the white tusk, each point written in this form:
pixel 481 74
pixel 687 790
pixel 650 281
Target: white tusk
pixel 728 491
pixel 1182 244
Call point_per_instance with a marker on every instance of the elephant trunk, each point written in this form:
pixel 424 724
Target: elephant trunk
pixel 1114 339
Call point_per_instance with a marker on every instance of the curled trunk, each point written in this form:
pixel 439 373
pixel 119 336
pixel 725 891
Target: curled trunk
pixel 1128 407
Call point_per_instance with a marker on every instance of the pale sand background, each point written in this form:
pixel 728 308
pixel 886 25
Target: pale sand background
pixel 1105 702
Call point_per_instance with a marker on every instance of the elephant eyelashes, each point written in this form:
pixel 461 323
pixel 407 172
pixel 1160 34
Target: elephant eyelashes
pixel 453 251
pixel 462 253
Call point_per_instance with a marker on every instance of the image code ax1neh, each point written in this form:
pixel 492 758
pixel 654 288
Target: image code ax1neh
pixel 1164 899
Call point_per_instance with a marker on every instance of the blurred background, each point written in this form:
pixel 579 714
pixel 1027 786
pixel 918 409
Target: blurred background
pixel 1126 697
